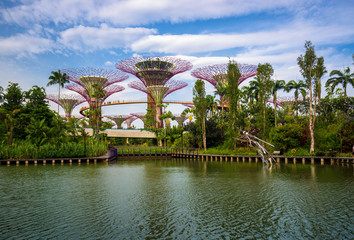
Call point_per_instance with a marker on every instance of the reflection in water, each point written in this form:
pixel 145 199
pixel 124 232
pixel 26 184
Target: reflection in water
pixel 177 199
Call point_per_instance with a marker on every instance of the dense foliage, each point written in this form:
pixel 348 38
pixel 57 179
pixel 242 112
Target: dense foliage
pixel 29 129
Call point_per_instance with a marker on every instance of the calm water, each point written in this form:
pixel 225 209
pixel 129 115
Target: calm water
pixel 175 199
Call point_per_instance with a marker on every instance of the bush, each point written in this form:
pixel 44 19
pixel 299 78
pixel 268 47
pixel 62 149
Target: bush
pixel 287 137
pixel 27 150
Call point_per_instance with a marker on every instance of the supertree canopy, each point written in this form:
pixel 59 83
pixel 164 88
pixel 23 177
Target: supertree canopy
pixel 154 74
pixel 216 74
pixel 158 92
pixel 95 85
pixel 118 119
pixel 154 70
pixel 67 102
pixel 130 120
pixel 86 77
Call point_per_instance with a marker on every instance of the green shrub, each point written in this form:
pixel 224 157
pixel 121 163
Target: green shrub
pixel 286 137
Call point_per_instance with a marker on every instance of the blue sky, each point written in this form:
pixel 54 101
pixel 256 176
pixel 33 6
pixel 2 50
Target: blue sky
pixel 38 37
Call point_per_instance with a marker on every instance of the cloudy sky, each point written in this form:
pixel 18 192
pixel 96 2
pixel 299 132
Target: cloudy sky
pixel 41 36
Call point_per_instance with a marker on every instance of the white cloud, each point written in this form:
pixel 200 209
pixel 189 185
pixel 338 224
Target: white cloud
pixel 109 63
pixel 25 44
pixel 135 12
pixel 104 37
pixel 288 36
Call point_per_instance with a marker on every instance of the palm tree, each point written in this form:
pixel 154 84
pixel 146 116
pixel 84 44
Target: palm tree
pixel 277 85
pixel 58 78
pixel 299 87
pixel 343 78
pixel 221 90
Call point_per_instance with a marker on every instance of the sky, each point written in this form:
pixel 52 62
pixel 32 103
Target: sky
pixel 41 36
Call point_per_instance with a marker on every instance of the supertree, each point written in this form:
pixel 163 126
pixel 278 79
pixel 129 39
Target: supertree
pixel 180 118
pixel 95 85
pixel 130 120
pixel 154 74
pixel 216 74
pixel 141 116
pixel 118 119
pixel 67 102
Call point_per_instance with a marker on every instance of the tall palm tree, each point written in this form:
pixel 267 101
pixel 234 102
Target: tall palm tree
pixel 299 87
pixel 343 78
pixel 277 85
pixel 58 78
pixel 254 89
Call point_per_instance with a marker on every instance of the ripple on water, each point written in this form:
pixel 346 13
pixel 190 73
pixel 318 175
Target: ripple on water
pixel 176 200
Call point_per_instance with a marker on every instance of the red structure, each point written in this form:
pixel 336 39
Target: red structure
pixel 67 102
pixel 154 74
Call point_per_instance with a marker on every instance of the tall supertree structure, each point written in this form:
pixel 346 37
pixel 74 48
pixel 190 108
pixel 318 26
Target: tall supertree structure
pixel 154 74
pixel 67 102
pixel 95 85
pixel 216 74
pixel 130 120
pixel 180 119
pixel 118 119
pixel 141 116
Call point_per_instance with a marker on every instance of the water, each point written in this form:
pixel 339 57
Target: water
pixel 176 199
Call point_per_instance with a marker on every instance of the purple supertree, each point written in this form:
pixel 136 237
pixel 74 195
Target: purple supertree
pixel 118 119
pixel 67 102
pixel 180 119
pixel 95 85
pixel 216 74
pixel 130 120
pixel 154 74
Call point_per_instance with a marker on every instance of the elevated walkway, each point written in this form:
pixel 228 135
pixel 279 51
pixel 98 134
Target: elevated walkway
pixel 125 133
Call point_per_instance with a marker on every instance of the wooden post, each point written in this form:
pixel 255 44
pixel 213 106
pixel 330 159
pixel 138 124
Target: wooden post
pixel 312 161
pixel 44 162
pixel 294 160
pixel 322 161
pixel 286 160
pixel 303 161
pixel 53 162
pixel 278 160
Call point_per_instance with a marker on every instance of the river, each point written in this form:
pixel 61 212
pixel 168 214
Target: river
pixel 177 199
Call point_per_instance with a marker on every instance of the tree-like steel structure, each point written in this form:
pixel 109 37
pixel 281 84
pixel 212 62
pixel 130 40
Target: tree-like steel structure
pixel 67 102
pixel 118 119
pixel 95 85
pixel 154 74
pixel 130 120
pixel 216 74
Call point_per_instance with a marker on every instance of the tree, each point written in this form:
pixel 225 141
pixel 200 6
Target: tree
pixel 233 74
pixel 299 87
pixel 13 97
pixel 200 104
pixel 221 89
pixel 264 74
pixel 307 64
pixel 277 85
pixel 9 124
pixel 37 131
pixel 320 70
pixel 36 97
pixel 343 78
pixel 1 94
pixel 58 78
